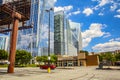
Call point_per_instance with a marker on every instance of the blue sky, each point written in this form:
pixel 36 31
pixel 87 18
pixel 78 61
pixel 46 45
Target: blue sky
pixel 99 19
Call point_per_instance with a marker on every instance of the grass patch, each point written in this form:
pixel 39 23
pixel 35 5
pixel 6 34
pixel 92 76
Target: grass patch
pixel 2 66
pixel 28 65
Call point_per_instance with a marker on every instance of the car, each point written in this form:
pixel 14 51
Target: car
pixel 4 62
pixel 46 66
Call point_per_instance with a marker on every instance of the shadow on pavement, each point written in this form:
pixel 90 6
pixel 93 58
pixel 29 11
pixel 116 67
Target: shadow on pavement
pixel 107 68
pixel 2 72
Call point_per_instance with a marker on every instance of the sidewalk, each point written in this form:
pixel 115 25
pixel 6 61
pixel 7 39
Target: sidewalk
pixel 75 73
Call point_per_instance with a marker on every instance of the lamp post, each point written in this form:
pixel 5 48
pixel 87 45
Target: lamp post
pixel 49 41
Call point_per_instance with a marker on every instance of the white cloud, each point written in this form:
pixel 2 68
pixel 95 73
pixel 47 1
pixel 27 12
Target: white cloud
pixel 100 14
pixel 113 7
pixel 44 36
pixel 107 34
pixel 86 42
pixel 114 39
pixel 103 2
pixel 73 13
pixel 111 40
pixel 44 31
pixel 49 3
pixel 74 25
pixel 117 39
pixel 65 8
pixel 95 30
pixel 108 46
pixel 76 12
pixel 55 1
pixel 56 9
pixel 26 40
pixel 117 16
pixel 88 11
pixel 118 10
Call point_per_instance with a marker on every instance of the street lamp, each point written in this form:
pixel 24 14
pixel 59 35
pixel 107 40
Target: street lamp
pixel 51 9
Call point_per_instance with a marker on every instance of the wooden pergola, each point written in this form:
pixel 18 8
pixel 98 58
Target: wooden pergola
pixel 13 13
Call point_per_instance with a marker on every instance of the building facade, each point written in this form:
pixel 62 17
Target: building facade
pixel 4 40
pixel 31 39
pixel 59 41
pixel 73 38
pixel 80 60
pixel 67 36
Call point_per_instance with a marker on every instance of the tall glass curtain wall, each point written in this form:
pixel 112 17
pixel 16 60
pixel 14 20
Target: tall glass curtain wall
pixel 59 42
pixel 66 35
pixel 4 42
pixel 31 39
pixel 75 30
pixel 74 35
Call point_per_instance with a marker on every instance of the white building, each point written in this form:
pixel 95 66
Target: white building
pixel 4 41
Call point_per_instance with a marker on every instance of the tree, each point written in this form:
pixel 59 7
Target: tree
pixel 3 55
pixel 42 58
pixel 108 58
pixel 117 56
pixel 45 58
pixel 86 52
pixel 22 57
pixel 53 58
pixel 100 57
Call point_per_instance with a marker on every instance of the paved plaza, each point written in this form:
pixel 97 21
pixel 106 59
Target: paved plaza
pixel 75 73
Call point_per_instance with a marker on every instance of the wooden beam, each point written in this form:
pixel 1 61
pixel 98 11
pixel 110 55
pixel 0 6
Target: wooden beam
pixel 20 28
pixel 13 42
pixel 13 46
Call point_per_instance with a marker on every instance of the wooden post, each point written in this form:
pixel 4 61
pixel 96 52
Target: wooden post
pixel 13 42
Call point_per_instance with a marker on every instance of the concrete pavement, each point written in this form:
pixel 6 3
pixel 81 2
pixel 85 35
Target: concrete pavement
pixel 76 73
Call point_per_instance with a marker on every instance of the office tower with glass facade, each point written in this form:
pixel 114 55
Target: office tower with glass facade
pixel 59 47
pixel 31 39
pixel 74 39
pixel 4 40
pixel 67 36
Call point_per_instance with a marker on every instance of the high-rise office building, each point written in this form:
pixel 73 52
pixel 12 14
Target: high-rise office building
pixel 59 41
pixel 67 36
pixel 31 39
pixel 74 39
pixel 4 40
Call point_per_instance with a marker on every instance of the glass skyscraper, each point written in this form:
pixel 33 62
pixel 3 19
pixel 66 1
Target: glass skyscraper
pixel 74 38
pixel 31 39
pixel 59 41
pixel 4 40
pixel 67 36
